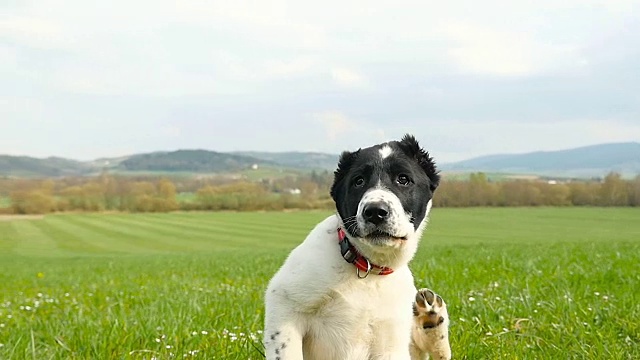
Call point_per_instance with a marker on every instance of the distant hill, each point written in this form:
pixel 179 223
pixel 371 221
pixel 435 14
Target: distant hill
pixel 588 161
pixel 25 166
pixel 199 161
pixel 301 160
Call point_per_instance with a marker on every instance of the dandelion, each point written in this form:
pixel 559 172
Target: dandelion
pixel 40 275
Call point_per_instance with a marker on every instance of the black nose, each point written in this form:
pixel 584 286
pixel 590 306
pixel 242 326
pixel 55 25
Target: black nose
pixel 376 212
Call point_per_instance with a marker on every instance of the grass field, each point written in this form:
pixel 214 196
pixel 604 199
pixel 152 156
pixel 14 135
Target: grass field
pixel 521 283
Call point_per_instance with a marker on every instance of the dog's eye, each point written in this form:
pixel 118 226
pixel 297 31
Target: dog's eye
pixel 358 182
pixel 403 180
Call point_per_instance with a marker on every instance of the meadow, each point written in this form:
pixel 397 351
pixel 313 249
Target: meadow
pixel 520 283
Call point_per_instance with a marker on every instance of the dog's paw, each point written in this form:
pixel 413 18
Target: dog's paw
pixel 431 326
pixel 429 309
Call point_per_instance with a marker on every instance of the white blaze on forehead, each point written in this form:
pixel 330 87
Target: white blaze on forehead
pixel 385 151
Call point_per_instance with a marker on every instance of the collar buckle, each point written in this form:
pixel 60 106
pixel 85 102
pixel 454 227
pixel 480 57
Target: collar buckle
pixel 366 273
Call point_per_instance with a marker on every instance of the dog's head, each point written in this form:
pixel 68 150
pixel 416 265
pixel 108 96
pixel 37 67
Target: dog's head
pixel 383 195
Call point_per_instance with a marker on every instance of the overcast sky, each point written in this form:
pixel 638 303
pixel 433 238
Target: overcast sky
pixel 85 79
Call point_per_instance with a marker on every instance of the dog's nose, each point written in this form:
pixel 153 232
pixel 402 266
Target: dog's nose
pixel 376 212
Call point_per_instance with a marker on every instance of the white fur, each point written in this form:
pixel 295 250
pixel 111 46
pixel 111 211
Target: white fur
pixel 385 151
pixel 316 295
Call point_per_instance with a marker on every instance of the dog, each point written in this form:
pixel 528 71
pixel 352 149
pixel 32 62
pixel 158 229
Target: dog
pixel 346 292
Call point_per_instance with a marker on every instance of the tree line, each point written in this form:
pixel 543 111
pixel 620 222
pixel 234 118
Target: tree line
pixel 152 194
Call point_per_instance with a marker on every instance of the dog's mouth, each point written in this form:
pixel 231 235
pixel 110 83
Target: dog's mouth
pixel 378 235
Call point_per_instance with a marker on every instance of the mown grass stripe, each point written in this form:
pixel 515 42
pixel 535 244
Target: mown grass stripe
pixel 294 220
pixel 8 237
pixel 188 238
pixel 67 239
pixel 33 241
pixel 137 236
pixel 246 235
pixel 244 226
pixel 114 240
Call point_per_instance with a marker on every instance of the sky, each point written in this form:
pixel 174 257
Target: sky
pixel 83 79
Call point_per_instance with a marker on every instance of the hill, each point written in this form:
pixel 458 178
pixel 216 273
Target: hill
pixel 199 161
pixel 587 161
pixel 294 159
pixel 25 166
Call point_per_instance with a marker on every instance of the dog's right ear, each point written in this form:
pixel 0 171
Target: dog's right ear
pixel 346 160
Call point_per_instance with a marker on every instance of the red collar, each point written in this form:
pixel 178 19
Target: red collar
pixel 352 256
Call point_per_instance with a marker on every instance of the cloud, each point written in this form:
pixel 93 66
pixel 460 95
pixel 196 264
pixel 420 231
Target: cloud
pixel 349 78
pixel 336 124
pixel 485 51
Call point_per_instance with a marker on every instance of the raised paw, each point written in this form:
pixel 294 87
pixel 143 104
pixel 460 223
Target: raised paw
pixel 430 327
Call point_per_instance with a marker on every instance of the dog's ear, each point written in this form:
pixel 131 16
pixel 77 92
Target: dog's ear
pixel 410 146
pixel 346 160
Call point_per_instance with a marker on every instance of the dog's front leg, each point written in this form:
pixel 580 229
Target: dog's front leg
pixel 282 335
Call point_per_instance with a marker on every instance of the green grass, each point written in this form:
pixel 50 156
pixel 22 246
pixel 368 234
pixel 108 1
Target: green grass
pixel 520 283
pixel 5 201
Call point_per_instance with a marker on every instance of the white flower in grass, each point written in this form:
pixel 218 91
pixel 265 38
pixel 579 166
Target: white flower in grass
pixel 472 299
pixel 2 325
pixel 204 332
pixel 596 293
pixel 168 346
pixel 194 333
pixel 489 333
pixel 158 340
pixel 1 346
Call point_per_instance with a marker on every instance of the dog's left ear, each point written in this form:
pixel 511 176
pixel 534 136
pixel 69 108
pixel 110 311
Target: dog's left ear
pixel 410 146
pixel 346 160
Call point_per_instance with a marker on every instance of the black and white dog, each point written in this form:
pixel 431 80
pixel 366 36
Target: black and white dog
pixel 346 292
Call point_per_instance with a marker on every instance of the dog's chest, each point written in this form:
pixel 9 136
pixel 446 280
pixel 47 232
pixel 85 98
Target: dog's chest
pixel 352 317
